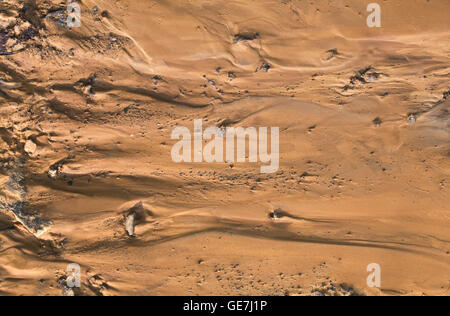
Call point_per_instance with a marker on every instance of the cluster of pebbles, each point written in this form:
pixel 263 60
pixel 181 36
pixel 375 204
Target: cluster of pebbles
pixel 9 44
pixel 15 30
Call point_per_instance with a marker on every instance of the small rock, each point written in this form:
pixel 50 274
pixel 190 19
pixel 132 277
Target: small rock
pixel 129 225
pixel 52 173
pixel 231 76
pixel 333 53
pixel 264 67
pixel 277 214
pixel 66 291
pixel 377 122
pixel 245 37
pixel 412 119
pixel 30 147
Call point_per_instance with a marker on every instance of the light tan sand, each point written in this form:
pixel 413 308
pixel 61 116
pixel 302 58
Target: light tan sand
pixel 85 142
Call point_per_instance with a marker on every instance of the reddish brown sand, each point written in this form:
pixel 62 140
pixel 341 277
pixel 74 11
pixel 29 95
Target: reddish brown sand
pixel 86 116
